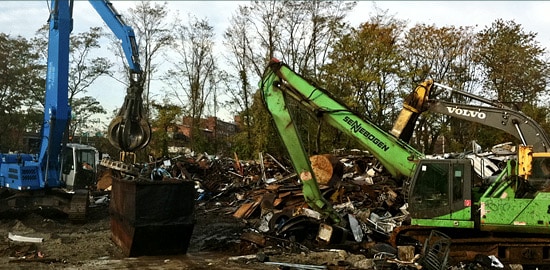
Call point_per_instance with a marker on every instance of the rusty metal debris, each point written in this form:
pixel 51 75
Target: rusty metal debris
pixel 266 195
pixel 435 254
pixel 137 193
pixel 298 266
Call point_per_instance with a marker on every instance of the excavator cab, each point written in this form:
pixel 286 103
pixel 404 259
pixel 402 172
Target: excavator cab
pixel 534 169
pixel 540 178
pixel 441 192
pixel 79 166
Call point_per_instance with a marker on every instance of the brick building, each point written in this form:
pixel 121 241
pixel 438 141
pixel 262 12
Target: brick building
pixel 211 127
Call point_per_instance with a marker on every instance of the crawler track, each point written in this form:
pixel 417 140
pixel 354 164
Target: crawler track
pixel 78 207
pixel 510 248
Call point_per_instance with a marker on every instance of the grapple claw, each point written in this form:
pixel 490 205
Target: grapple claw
pixel 129 135
pixel 129 131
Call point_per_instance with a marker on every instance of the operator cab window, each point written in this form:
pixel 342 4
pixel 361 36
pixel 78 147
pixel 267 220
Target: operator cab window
pixel 540 177
pixel 431 188
pixel 458 183
pixel 86 159
pixel 68 161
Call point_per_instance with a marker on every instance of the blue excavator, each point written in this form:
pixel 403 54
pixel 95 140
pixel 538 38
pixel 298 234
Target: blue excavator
pixel 58 176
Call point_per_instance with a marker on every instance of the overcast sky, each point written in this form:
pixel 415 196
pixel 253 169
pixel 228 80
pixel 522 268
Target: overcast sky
pixel 25 17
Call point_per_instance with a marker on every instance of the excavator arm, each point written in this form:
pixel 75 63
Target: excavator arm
pixel 510 121
pixel 279 82
pixel 413 107
pixel 494 114
pixel 129 131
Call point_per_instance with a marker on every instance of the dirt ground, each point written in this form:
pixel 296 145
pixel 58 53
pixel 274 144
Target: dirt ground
pixel 89 246
pixel 215 244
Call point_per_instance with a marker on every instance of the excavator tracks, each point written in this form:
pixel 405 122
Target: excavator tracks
pixel 510 248
pixel 78 207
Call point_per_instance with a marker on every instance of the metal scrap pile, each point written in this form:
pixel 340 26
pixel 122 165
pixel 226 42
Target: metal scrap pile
pixel 268 197
pixel 371 201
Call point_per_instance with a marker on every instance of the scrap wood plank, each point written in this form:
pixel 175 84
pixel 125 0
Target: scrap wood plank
pixel 273 187
pixel 267 203
pixel 281 197
pixel 247 209
pixel 254 237
pixel 257 192
pixel 277 202
pixel 242 210
pixel 284 194
pixel 105 180
pixel 254 206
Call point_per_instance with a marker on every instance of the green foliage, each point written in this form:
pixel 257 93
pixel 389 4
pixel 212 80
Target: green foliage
pixel 264 136
pixel 364 63
pixel 515 69
pixel 83 108
pixel 370 68
pixel 374 65
pixel 242 145
pixel 444 57
pixel 513 63
pixel 164 127
pixel 202 141
pixel 84 70
pixel 21 90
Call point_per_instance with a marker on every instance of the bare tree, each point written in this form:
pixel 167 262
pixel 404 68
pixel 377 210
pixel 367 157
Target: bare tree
pixel 193 78
pixel 300 33
pixel 265 19
pixel 237 42
pixel 446 57
pixel 154 35
pixel 297 32
pixel 308 28
pixel 84 71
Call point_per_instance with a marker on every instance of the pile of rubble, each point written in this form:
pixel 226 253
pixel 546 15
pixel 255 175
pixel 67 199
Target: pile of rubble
pixel 268 197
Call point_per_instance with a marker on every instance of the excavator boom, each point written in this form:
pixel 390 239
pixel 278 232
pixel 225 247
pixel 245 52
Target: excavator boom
pixel 279 81
pixel 506 214
pixel 129 131
pixel 492 114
